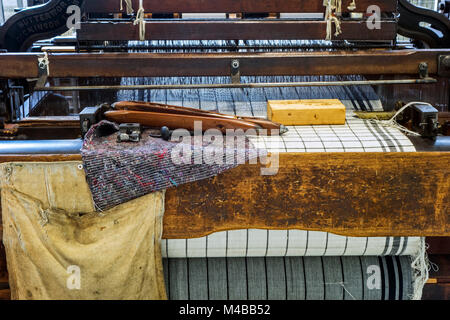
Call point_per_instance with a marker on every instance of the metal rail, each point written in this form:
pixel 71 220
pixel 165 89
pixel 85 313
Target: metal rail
pixel 238 85
pixel 20 147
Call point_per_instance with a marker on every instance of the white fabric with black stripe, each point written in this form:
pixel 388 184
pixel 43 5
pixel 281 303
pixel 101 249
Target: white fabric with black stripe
pixel 291 278
pixel 286 243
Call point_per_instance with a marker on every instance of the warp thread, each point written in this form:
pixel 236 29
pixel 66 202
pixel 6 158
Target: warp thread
pixel 342 284
pixel 129 6
pixel 333 10
pixel 140 19
pixel 352 6
pixel 421 267
pixel 394 124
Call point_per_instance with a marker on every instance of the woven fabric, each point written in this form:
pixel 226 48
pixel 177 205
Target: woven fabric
pixel 281 243
pixel 120 172
pixel 289 278
pixel 356 135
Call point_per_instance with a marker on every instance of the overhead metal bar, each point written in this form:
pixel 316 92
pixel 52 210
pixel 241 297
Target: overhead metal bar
pixel 238 85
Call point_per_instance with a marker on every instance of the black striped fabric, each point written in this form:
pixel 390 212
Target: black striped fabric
pixel 289 278
pixel 279 243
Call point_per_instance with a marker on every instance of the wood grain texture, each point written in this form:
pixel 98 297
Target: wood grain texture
pixel 438 245
pixel 5 294
pixel 437 291
pixel 352 194
pixel 306 112
pixel 233 29
pixel 231 6
pixel 40 158
pixel 367 62
pixel 442 273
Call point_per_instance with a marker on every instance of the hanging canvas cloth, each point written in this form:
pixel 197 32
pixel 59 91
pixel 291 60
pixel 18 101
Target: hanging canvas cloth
pixel 58 247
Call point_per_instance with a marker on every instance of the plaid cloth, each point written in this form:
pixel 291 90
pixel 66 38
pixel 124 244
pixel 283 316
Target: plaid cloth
pixel 120 172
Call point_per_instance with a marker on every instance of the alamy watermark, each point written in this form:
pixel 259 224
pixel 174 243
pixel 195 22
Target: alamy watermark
pixel 74 20
pixel 374 17
pixel 74 280
pixel 234 147
pixel 373 21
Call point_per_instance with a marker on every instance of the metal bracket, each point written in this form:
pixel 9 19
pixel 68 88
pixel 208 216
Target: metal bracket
pixel 444 65
pixel 235 72
pixel 90 116
pixel 129 132
pixel 42 71
pixel 423 70
pixel 425 120
pixel 16 100
pixel 436 32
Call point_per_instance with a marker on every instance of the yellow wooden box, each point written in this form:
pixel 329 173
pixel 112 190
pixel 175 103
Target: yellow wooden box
pixel 306 112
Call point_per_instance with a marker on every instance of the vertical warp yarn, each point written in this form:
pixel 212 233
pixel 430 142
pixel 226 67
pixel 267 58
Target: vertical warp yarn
pixel 129 6
pixel 421 267
pixel 333 8
pixel 140 19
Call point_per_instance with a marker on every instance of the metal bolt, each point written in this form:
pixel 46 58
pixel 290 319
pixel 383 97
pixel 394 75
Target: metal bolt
pixel 423 70
pixel 235 64
pixel 446 61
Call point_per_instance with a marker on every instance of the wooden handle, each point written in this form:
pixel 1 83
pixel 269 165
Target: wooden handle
pixel 178 121
pixel 163 108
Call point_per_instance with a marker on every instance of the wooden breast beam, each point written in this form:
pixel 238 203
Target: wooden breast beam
pixel 352 194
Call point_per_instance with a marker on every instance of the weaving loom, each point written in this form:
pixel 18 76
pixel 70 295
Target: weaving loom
pixel 348 214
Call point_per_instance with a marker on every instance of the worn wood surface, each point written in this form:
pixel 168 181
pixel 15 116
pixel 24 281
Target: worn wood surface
pixel 439 245
pixel 440 289
pixel 441 274
pixel 40 158
pixel 353 194
pixel 233 29
pixel 367 62
pixel 232 6
pixel 5 294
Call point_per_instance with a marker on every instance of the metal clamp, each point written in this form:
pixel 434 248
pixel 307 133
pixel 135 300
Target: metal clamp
pixel 423 70
pixel 235 71
pixel 444 65
pixel 90 116
pixel 129 132
pixel 43 71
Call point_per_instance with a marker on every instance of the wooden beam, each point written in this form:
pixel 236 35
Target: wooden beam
pixel 438 291
pixel 40 158
pixel 368 62
pixel 232 30
pixel 5 294
pixel 352 194
pixel 231 6
pixel 442 274
pixel 439 246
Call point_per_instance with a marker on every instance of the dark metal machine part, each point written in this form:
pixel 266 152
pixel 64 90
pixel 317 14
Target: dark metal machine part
pixel 409 25
pixel 437 144
pixel 36 23
pixel 129 132
pixel 425 120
